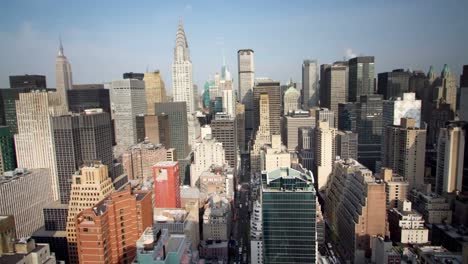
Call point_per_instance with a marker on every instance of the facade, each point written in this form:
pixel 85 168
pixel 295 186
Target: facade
pixel 256 235
pixel 8 98
pixel 271 88
pixel 206 153
pixel 128 101
pixel 291 100
pixel 393 84
pixel 27 251
pixel 361 77
pixel 347 117
pixel 434 208
pixel 288 196
pixel 218 180
pixel 337 87
pixel 383 251
pixel 28 81
pixel 240 119
pixel 155 90
pixel 182 82
pixel 356 209
pixel 229 102
pixel 176 111
pixel 310 84
pixel 217 219
pixel 325 152
pixel 139 159
pixel 7 150
pixel 34 140
pixel 166 184
pixel 406 225
pixel 275 155
pixel 63 76
pixel 440 115
pixel 451 157
pixel 346 144
pixel 445 88
pixel 322 114
pixel 90 98
pixel 396 187
pixel 7 234
pixel 246 74
pixel 90 185
pixel 108 230
pixel 397 108
pixel 224 130
pixel 194 129
pixel 306 147
pixel 133 75
pixel 23 194
pixel 291 125
pixel 463 103
pixel 263 134
pixel 404 151
pixel 153 128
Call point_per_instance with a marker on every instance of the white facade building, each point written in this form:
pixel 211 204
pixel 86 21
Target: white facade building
pixel 406 225
pixel 310 86
pixel 291 100
pixel 395 110
pixel 182 80
pixel 194 129
pixel 129 100
pixel 205 131
pixel 275 156
pixel 325 152
pixel 206 153
pixel 256 235
pixel 63 75
pixel 229 102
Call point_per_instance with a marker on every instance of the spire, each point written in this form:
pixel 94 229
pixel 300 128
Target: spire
pixel 431 74
pixel 445 71
pixel 60 53
pixel 291 84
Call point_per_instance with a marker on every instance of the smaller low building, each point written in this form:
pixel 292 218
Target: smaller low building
pixel 407 225
pixel 27 251
pixel 437 254
pixel 434 208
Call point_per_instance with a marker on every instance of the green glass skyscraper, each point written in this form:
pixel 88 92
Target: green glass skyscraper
pixel 288 211
pixel 7 148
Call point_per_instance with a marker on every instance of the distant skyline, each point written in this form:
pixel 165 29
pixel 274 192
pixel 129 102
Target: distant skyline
pixel 103 39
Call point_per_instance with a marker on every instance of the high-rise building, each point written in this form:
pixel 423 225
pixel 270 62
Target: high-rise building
pixel 463 103
pixel 404 151
pixel 8 98
pixel 275 155
pixel 397 108
pixel 155 90
pixel 337 87
pixel 90 185
pixel 291 100
pixel 347 117
pixel 23 194
pixel 166 184
pixel 272 88
pixel 440 115
pixel 310 84
pixel 153 128
pixel 224 130
pixel 246 74
pixel 450 157
pixel 206 153
pixel 98 238
pixel 79 138
pixel 194 129
pixel 322 114
pixel 229 102
pixel 7 150
pixel 445 88
pixel 138 160
pixel 133 75
pixel 393 84
pixel 240 119
pixel 346 144
pixel 263 134
pixel 361 77
pixel 182 82
pixel 63 76
pixel 306 147
pixel 291 125
pixel 325 152
pixel 177 113
pixel 28 81
pixel 82 99
pixel 34 141
pixel 128 100
pixel 356 209
pixel 396 187
pixel 288 196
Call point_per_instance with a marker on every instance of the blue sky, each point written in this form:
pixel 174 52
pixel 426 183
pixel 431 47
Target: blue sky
pixel 103 39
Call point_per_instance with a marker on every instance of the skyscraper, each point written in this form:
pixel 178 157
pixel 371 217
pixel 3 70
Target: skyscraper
pixel 82 99
pixel 272 88
pixel 336 87
pixel 63 75
pixel 463 107
pixel 404 151
pixel 246 74
pixel 206 153
pixel 128 99
pixel 166 184
pixel 397 108
pixel 361 77
pixel 177 114
pixel 155 90
pixel 28 81
pixel 291 125
pixel 323 84
pixel 445 88
pixel 310 81
pixel 224 130
pixel 133 75
pixel 8 98
pixel 325 152
pixel 346 144
pixel 240 119
pixel 393 84
pixel 7 150
pixel 182 82
pixel 154 128
pixel 263 134
pixel 288 196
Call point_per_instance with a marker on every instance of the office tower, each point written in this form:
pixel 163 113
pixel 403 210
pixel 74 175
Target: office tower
pixel 406 225
pixel 440 115
pixel 325 152
pixel 79 138
pixel 177 113
pixel 246 74
pixel 427 94
pixel 369 129
pixel 194 130
pixel 291 100
pixel 323 84
pixel 310 82
pixel 450 157
pixel 361 77
pixel 404 151
pixel 217 218
pixel 445 88
pixel 396 186
pixel 336 88
pixel 240 120
pixel 256 234
pixel 275 155
pixel 26 250
pixel 88 86
pixel 229 102
pixel 128 100
pixel 417 83
pixel 293 203
pixel 108 230
pixel 347 116
pixel 34 141
pixel 138 160
pixel 272 88
pixel 133 75
pixel 90 184
pixel 155 90
pixel 28 81
pixel 291 125
pixel 397 108
pixel 217 105
pixel 206 96
pixel 356 209
pixel 393 84
pixel 7 150
pixel 89 98
pixel 225 131
pixel 306 146
pixel 346 144
pixel 166 184
pixel 7 233
pixel 153 128
pixel 434 208
pixel 8 98
pixel 463 103
pixel 206 153
pixel 63 76
pixel 322 114
pixel 182 83
pixel 263 134
pixel 23 194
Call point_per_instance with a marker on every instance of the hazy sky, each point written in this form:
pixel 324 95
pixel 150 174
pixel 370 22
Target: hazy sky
pixel 103 39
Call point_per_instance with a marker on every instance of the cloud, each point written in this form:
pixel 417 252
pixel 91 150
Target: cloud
pixel 349 54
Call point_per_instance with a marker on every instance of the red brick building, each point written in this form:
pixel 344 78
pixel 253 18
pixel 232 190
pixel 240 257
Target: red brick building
pixel 166 184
